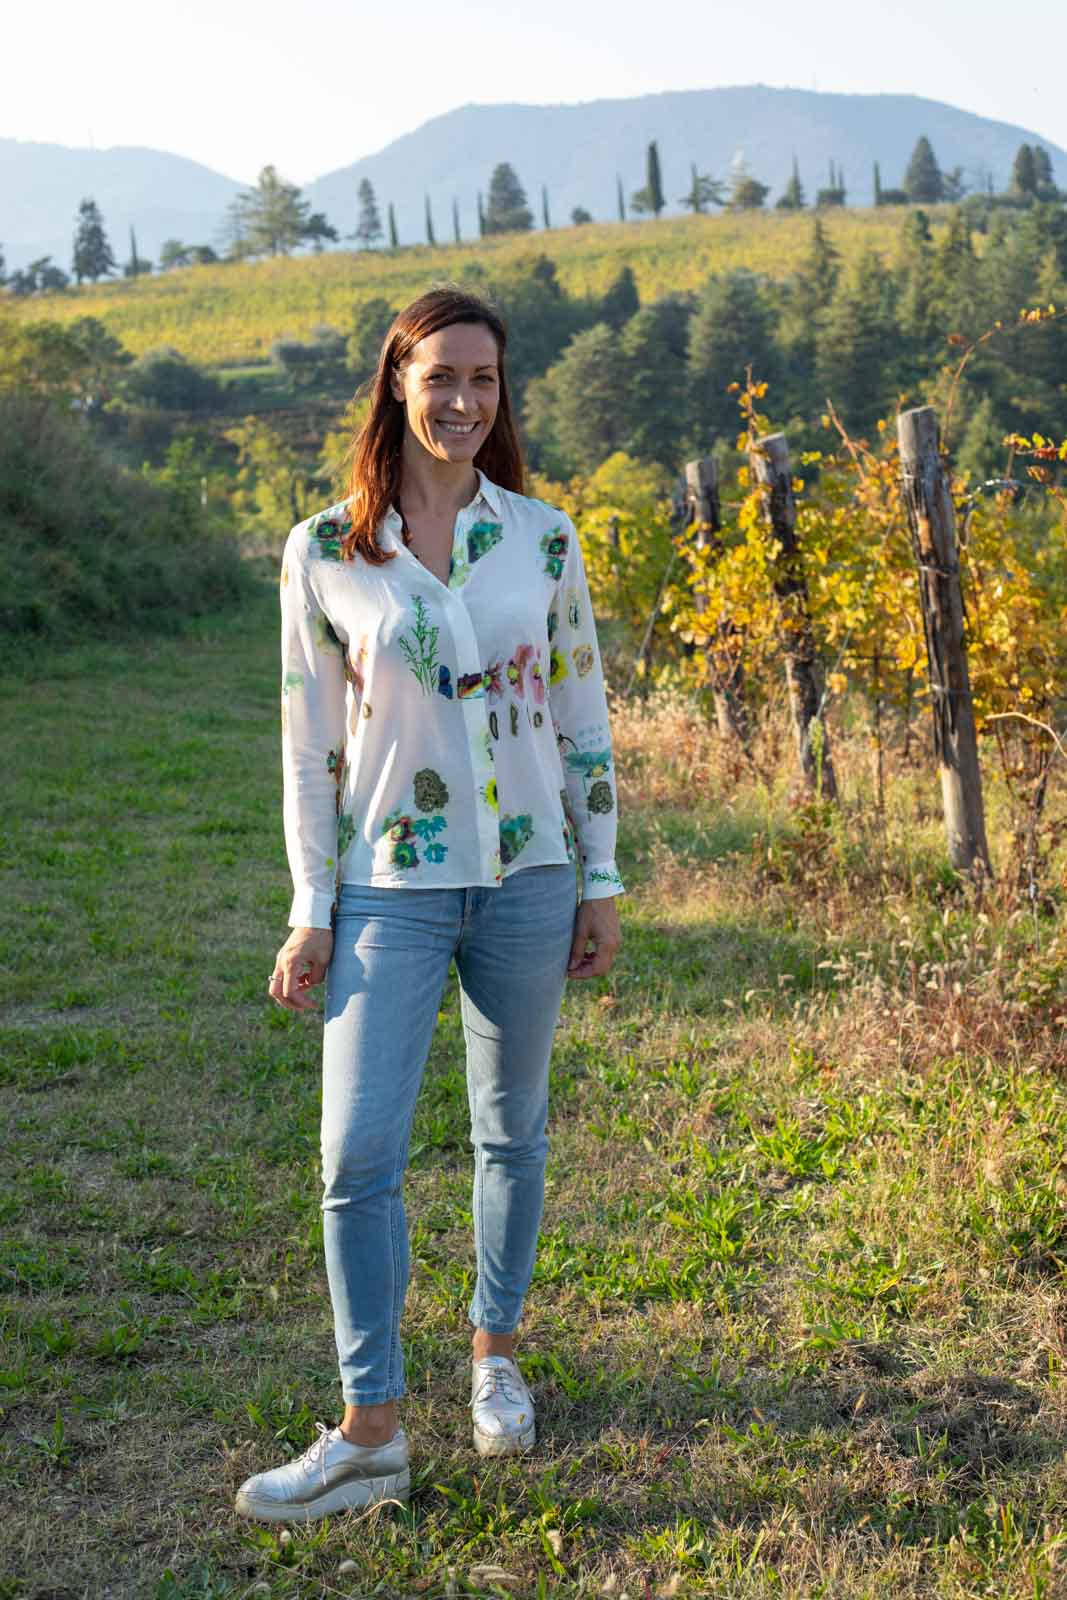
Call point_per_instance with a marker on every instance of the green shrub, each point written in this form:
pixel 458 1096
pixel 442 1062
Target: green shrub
pixel 87 548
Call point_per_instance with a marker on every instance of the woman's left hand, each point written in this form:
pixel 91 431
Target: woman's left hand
pixel 596 925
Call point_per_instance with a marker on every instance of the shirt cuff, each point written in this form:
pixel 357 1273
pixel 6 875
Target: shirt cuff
pixel 311 909
pixel 600 881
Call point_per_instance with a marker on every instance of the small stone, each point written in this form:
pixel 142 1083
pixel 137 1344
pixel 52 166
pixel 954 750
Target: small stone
pixel 348 1566
pixel 555 1540
pixel 285 1537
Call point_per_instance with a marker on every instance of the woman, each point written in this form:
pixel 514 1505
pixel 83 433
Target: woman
pixel 445 738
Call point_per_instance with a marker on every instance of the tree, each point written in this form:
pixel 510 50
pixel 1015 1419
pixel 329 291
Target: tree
pixel 704 191
pixel 316 364
pixel 369 223
pixel 136 264
pixel 318 231
pixel 545 218
pixel 271 218
pixel 953 185
pixel 620 199
pixel 1046 183
pixel 650 197
pixel 430 236
pixel 573 413
pixel 481 217
pixel 748 194
pixel 731 329
pixel 92 257
pixel 877 184
pixel 793 197
pixel 507 211
pixel 1024 173
pixel 856 339
pixel 457 236
pixel 654 421
pixel 39 277
pixel 162 379
pixel 3 266
pixel 923 181
pixel 172 253
pixel 620 300
pixel 580 215
pixel 369 328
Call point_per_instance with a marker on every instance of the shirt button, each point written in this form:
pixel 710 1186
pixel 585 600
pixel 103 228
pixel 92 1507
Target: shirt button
pixel 366 709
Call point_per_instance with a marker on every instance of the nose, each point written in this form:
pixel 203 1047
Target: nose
pixel 463 400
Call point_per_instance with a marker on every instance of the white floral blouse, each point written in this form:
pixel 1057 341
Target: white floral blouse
pixel 442 736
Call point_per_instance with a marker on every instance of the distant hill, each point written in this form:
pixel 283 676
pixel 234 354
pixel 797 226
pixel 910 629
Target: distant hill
pixel 576 150
pixel 162 196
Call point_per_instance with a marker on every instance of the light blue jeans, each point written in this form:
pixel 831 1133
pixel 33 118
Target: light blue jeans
pixel 391 954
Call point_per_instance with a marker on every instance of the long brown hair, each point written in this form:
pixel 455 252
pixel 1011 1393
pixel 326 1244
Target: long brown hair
pixel 376 450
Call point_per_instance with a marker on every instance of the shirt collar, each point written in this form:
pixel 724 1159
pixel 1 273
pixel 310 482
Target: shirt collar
pixel 487 491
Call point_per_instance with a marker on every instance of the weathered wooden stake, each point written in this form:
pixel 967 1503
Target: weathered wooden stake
pixel 769 460
pixel 928 501
pixel 704 518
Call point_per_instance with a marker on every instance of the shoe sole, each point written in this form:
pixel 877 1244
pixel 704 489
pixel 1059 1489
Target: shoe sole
pixel 343 1497
pixel 505 1444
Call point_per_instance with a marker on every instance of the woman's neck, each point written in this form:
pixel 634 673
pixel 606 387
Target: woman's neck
pixel 429 485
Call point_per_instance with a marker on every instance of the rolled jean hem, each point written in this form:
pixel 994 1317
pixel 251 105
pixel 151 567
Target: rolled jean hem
pixel 481 1327
pixel 376 1397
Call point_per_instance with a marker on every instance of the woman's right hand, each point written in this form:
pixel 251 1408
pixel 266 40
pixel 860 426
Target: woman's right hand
pixel 301 964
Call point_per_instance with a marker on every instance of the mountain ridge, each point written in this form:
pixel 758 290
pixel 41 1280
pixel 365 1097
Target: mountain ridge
pixel 576 148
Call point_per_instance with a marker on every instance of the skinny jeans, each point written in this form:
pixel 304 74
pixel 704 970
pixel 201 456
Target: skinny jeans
pixel 392 951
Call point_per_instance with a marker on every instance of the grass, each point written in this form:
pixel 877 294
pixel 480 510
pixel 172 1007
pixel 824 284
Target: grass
pixel 797 1328
pixel 229 315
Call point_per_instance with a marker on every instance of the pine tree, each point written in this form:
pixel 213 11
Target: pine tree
pixel 271 218
pixel 793 197
pixel 620 300
pixel 430 237
pixel 457 236
pixel 394 239
pixel 92 257
pixel 1024 173
pixel 731 329
pixel 507 211
pixel 369 225
pixel 923 182
pixel 856 343
pixel 704 191
pixel 545 218
pixel 1046 183
pixel 621 199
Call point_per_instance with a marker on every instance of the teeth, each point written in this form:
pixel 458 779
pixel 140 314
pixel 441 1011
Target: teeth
pixel 457 427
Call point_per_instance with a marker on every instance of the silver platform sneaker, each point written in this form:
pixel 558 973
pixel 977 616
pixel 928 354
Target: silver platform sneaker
pixel 502 1407
pixel 331 1476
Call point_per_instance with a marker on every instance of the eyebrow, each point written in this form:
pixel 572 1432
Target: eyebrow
pixel 443 366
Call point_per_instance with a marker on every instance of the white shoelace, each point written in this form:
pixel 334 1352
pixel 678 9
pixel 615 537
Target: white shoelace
pixel 498 1380
pixel 317 1452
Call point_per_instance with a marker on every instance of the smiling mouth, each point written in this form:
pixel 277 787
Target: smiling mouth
pixel 461 429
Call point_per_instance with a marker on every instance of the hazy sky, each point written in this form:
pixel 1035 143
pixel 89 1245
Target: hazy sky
pixel 313 86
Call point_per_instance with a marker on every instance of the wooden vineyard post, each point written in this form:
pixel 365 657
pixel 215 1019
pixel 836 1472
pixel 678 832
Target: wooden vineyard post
pixel 928 502
pixel 704 521
pixel 771 468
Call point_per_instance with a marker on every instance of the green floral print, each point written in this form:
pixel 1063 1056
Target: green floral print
pixel 346 830
pixel 515 835
pixel 600 799
pixel 420 651
pixel 431 792
pixel 481 538
pixel 557 666
pixel 554 545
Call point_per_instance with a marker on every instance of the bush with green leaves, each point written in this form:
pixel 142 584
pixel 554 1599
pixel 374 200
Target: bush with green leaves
pixel 87 548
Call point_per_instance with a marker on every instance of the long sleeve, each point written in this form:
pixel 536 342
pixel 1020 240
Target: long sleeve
pixel 313 738
pixel 580 714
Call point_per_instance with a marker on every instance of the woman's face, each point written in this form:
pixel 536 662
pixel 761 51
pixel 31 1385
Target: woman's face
pixel 450 389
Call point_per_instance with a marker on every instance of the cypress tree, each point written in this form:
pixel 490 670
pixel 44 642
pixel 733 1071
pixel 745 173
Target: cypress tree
pixel 481 218
pixel 877 184
pixel 621 200
pixel 923 182
pixel 430 239
pixel 1024 172
pixel 653 179
pixel 1046 183
pixel 455 222
pixel 369 225
pixel 393 239
pixel 793 197
pixel 507 211
pixel 544 207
